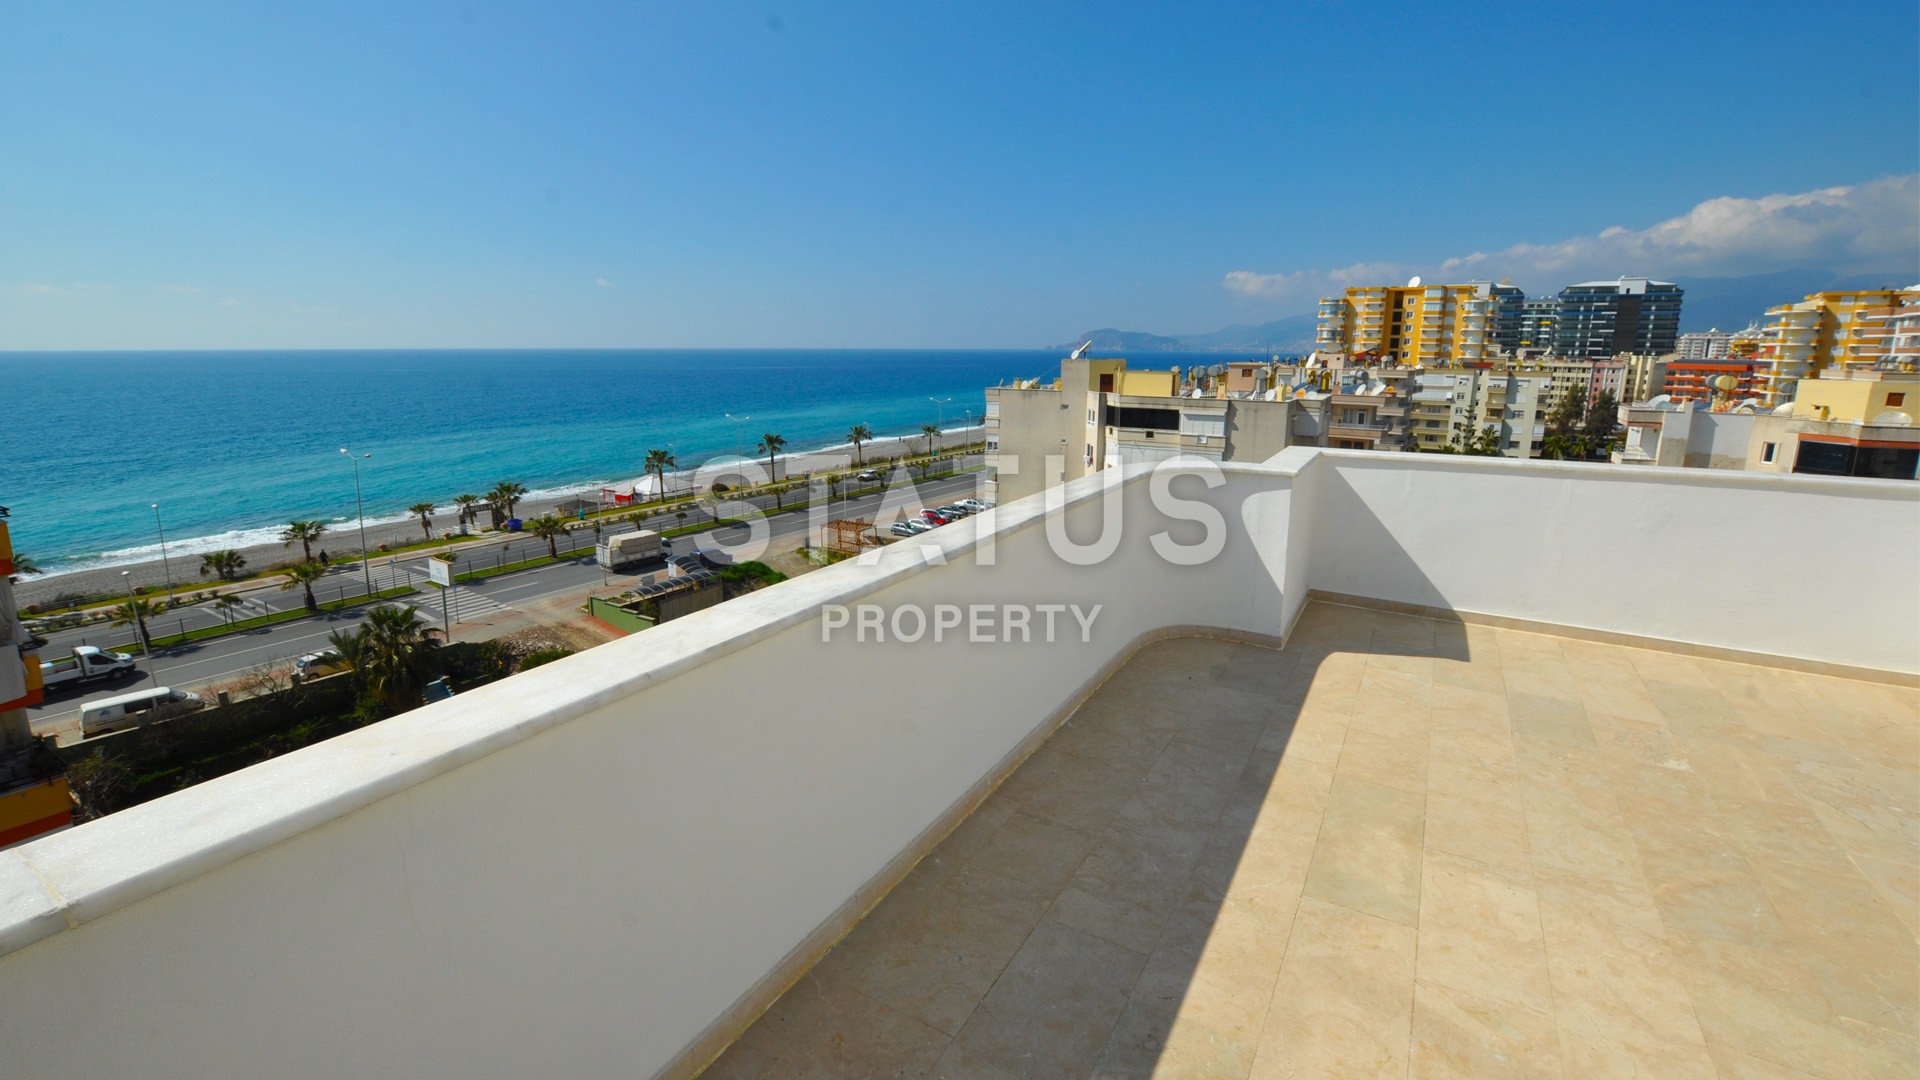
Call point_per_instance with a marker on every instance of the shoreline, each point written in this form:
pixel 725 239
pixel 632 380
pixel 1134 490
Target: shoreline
pixel 183 561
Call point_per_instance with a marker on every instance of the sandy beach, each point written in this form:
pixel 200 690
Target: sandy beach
pixel 343 540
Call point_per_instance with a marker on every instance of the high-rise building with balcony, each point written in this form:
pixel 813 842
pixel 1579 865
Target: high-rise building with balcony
pixel 1536 322
pixel 1702 345
pixel 1412 325
pixel 1600 319
pixel 1508 311
pixel 1852 328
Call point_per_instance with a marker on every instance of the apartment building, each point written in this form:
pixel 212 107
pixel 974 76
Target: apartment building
pixel 1536 323
pixel 1508 309
pixel 1825 330
pixel 1696 380
pixel 1890 334
pixel 1856 423
pixel 1099 415
pixel 1413 325
pixel 34 798
pixel 1703 345
pixel 1605 318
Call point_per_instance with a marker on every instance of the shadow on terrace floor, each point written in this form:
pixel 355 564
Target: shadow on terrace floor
pixel 1402 845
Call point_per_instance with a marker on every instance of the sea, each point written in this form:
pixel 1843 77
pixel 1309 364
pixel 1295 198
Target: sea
pixel 232 445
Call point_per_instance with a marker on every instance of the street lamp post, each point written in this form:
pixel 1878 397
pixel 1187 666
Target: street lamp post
pixel 737 421
pixel 165 570
pixel 940 421
pixel 360 508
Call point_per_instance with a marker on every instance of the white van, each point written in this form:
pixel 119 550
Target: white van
pixel 135 709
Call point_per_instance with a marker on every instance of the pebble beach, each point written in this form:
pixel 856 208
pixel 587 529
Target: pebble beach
pixel 342 540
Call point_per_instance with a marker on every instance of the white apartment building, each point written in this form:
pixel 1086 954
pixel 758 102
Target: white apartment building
pixel 1703 345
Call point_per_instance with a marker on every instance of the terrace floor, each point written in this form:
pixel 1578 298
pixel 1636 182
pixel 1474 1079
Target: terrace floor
pixel 1404 847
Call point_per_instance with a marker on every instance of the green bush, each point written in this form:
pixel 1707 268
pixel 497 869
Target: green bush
pixel 544 656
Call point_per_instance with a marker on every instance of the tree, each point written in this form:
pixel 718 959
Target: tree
pixel 466 504
pixel 23 565
pixel 857 435
pixel 658 462
pixel 303 575
pixel 304 533
pixel 426 523
pixel 226 565
pixel 135 613
pixel 226 604
pixel 932 432
pixel 548 527
pixel 771 446
pixel 1565 438
pixel 350 645
pixel 506 494
pixel 1483 442
pixel 391 657
pixel 1602 425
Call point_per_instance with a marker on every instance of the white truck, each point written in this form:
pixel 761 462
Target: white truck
pixel 89 663
pixel 622 550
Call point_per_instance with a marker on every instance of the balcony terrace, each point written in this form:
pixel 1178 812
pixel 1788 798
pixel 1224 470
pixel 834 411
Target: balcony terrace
pixel 1603 807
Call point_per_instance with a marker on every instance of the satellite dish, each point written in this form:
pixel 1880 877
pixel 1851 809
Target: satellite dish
pixel 1658 400
pixel 1783 410
pixel 1413 282
pixel 1892 418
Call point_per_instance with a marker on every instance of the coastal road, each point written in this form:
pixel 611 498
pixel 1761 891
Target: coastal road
pixel 221 659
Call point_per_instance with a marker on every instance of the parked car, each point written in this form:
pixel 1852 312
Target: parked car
pixel 918 526
pixel 905 528
pixel 932 517
pixel 951 512
pixel 869 474
pixel 974 505
pixel 136 709
pixel 320 664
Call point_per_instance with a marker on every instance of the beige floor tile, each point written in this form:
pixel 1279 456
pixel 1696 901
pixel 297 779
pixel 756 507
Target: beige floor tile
pixel 1599 861
pixel 1480 933
pixel 1618 999
pixel 1369 850
pixel 1491 834
pixel 1761 1002
pixel 1343 1005
pixel 1052 1011
pixel 1394 760
pixel 1457 1036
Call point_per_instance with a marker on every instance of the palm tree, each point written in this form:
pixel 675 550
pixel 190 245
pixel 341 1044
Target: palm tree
pixel 426 523
pixel 467 511
pixel 136 612
pixel 658 462
pixel 225 605
pixel 771 445
pixel 24 565
pixel 932 432
pixel 856 435
pixel 350 644
pixel 547 527
pixel 304 575
pixel 225 565
pixel 506 493
pixel 303 533
pixel 391 655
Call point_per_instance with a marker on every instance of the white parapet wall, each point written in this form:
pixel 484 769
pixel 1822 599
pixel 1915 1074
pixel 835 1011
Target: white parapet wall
pixel 595 867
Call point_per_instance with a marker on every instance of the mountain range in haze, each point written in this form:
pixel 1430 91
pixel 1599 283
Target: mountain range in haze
pixel 1728 303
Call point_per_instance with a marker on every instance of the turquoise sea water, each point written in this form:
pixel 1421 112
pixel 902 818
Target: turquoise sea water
pixel 232 445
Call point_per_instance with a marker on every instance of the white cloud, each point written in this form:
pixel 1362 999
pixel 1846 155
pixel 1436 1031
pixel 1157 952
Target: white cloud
pixel 1858 228
pixel 603 283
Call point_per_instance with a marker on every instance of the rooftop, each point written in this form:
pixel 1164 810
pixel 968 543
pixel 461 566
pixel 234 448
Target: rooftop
pixel 1475 764
pixel 1402 846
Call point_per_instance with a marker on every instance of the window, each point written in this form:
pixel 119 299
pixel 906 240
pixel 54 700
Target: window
pixel 1767 450
pixel 1894 401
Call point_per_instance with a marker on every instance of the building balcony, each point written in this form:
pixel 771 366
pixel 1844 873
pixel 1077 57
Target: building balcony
pixel 1363 791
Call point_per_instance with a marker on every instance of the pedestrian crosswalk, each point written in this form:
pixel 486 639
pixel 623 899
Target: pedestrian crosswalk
pixel 463 604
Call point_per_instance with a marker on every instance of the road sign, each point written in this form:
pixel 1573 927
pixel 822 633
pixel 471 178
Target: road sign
pixel 440 572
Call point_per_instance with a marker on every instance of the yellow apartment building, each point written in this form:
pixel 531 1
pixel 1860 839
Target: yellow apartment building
pixel 1414 325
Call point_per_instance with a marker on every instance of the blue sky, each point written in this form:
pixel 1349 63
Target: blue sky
pixel 920 174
